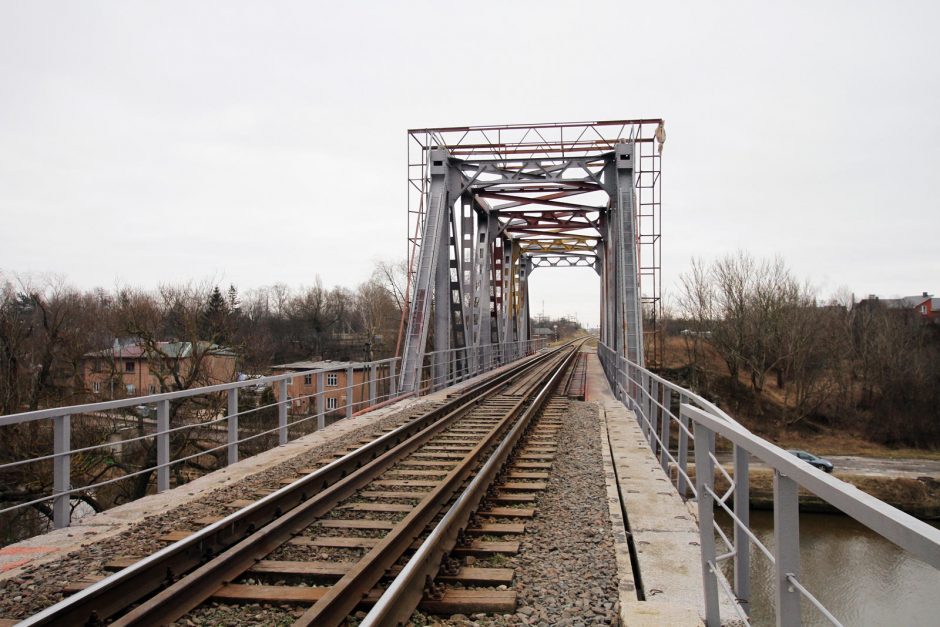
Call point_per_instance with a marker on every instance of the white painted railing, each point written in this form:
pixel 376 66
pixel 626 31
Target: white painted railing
pixel 661 406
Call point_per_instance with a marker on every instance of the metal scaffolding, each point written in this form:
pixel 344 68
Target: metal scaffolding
pixel 487 205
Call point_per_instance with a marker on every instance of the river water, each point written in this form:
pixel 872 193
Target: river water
pixel 857 575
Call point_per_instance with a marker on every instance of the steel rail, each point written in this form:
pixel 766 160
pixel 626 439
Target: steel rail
pixel 402 597
pixel 345 595
pixel 190 591
pixel 113 594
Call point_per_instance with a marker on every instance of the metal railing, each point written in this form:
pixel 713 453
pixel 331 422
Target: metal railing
pixel 378 385
pixel 698 422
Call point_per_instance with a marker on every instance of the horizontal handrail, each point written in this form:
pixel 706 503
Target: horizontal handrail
pixel 909 533
pixel 699 422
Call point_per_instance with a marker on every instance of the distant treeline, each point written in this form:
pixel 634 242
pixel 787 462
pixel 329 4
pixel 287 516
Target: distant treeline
pixel 864 366
pixel 46 326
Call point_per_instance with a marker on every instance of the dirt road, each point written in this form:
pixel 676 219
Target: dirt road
pixel 874 466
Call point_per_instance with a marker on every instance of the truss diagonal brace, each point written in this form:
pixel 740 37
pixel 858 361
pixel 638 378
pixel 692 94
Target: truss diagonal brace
pixel 434 230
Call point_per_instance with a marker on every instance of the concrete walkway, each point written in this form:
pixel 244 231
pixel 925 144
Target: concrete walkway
pixel 664 531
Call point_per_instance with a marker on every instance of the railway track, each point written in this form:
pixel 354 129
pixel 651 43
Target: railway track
pixel 380 526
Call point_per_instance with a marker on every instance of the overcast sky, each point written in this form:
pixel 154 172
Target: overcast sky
pixel 254 143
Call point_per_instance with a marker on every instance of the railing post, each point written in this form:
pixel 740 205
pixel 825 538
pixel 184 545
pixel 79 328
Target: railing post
pixel 163 446
pixel 282 413
pixel 654 415
pixel 683 456
pixel 321 403
pixel 232 426
pixel 392 381
pixel 61 470
pixel 373 385
pixel 704 480
pixel 631 379
pixel 623 373
pixel 787 541
pixel 451 377
pixel 742 544
pixel 350 392
pixel 664 429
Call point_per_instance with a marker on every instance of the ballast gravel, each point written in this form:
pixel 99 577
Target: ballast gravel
pixel 566 572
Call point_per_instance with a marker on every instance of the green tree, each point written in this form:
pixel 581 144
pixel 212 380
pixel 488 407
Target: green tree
pixel 215 317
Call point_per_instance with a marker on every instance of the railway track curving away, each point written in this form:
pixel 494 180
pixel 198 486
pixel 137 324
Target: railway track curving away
pixel 376 529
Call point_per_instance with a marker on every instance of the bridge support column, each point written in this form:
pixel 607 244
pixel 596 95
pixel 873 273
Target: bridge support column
pixel 623 296
pixel 525 269
pixel 441 360
pixel 484 303
pixel 430 278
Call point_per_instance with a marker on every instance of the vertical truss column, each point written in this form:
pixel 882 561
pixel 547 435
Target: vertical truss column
pixel 525 270
pixel 604 268
pixel 497 331
pixel 506 335
pixel 468 266
pixel 628 315
pixel 483 302
pixel 431 269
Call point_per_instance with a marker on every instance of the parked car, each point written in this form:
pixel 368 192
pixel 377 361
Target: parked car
pixel 812 460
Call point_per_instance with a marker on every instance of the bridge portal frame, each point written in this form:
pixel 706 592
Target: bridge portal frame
pixel 487 205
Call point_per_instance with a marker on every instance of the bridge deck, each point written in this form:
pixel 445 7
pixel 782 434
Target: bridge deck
pixel 664 528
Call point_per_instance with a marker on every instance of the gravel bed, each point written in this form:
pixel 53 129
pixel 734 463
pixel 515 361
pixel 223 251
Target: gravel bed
pixel 566 572
pixel 38 587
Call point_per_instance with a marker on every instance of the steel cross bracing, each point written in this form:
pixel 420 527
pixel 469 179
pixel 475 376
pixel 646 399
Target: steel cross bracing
pixel 489 205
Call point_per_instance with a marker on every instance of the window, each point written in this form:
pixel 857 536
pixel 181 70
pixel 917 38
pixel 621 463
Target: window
pixel 308 379
pixel 331 381
pixel 152 389
pixel 128 366
pixel 331 402
pixel 96 387
pixel 923 309
pixel 131 390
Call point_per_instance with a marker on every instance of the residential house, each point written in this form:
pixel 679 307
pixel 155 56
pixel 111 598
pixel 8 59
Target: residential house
pixel 338 388
pixel 545 332
pixel 130 368
pixel 925 305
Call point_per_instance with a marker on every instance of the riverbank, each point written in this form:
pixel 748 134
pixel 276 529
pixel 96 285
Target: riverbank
pixel 919 497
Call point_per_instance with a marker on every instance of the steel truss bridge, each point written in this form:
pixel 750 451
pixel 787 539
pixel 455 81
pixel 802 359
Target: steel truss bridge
pixel 488 205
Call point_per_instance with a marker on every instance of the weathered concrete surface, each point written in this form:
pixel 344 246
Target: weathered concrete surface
pixel 663 528
pixel 97 527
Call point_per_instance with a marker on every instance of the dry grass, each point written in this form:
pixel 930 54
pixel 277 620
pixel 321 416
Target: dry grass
pixel 841 443
pixel 763 415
